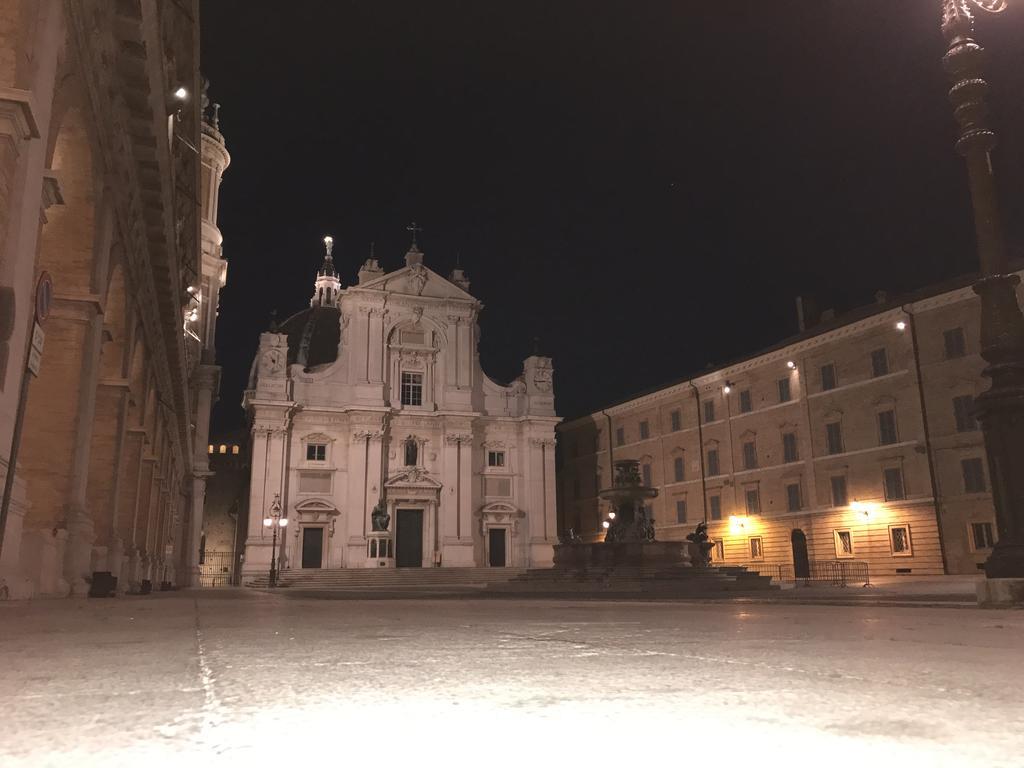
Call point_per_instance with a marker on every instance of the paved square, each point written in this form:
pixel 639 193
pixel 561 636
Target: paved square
pixel 203 678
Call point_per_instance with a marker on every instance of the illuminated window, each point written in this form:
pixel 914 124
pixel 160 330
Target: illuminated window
pixel 899 540
pixel 316 452
pixel 234 449
pixel 954 342
pixel 746 406
pixel 756 548
pixel 412 388
pixel 879 362
pixel 844 543
pixel 718 553
pixel 982 536
pixel 495 458
pixel 887 427
pixel 828 377
pixel 223 449
pixel 974 475
pixel 645 430
pixel 209 449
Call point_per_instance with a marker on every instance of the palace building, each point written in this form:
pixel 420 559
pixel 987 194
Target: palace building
pixel 855 440
pixel 373 399
pixel 109 171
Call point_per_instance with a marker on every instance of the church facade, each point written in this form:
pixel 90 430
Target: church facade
pixel 384 444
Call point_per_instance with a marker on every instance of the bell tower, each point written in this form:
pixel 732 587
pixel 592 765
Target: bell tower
pixel 327 287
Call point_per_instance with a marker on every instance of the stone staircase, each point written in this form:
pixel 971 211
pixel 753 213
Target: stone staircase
pixel 385 579
pixel 638 581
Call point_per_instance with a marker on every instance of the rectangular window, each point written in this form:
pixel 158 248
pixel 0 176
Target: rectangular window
pixel 753 502
pixel 981 536
pixel 756 548
pixel 412 388
pixel 844 543
pixel 718 553
pixel 963 410
pixel 646 471
pixel 746 406
pixel 679 468
pixel 886 427
pixel 828 377
pixel 676 419
pixel 681 510
pixel 784 393
pixel 620 436
pixel 715 507
pixel 974 475
pixel 502 486
pixel 316 452
pixel 713 468
pixel 793 500
pixel 709 411
pixel 839 497
pixel 893 481
pixel 879 363
pixel 495 458
pixel 789 449
pixel 749 455
pixel 955 344
pixel 645 430
pixel 899 540
pixel 834 438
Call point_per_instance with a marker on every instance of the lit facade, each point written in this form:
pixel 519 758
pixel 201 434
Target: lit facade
pixel 374 396
pixel 854 441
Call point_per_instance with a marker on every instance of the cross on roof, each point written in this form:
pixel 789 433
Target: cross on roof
pixel 415 229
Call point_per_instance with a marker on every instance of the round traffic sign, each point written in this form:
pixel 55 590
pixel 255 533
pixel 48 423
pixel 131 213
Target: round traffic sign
pixel 44 297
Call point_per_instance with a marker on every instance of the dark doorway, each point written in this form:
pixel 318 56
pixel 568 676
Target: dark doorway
pixel 409 532
pixel 312 547
pixel 801 564
pixel 496 547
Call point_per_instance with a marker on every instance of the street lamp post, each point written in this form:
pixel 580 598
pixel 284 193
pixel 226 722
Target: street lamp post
pixel 274 521
pixel 1001 408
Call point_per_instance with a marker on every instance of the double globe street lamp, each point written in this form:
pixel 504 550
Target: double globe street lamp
pixel 273 520
pixel 1001 408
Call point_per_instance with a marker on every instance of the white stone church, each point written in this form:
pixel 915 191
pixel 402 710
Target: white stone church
pixel 375 396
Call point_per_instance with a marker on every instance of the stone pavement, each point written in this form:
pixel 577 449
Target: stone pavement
pixel 204 678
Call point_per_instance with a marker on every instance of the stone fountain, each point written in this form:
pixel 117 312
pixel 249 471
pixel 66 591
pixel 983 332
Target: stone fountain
pixel 629 538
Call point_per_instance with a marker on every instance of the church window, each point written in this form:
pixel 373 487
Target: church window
pixel 209 449
pixel 495 458
pixel 234 450
pixel 316 452
pixel 412 388
pixel 223 449
pixel 412 453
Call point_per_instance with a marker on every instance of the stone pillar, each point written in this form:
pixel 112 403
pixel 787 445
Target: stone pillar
pixel 106 459
pixel 205 381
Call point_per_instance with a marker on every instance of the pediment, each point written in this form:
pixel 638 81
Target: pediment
pixel 316 508
pixel 413 478
pixel 418 280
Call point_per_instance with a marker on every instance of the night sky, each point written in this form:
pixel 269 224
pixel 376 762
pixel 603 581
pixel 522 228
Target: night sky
pixel 644 185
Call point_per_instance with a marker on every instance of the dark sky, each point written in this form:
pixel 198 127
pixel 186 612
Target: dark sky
pixel 644 185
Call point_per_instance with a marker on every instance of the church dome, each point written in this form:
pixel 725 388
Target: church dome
pixel 314 335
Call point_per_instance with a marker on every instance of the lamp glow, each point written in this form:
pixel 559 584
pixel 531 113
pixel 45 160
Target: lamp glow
pixel 181 93
pixel 267 522
pixel 901 326
pixel 611 515
pixel 727 389
pixel 606 524
pixel 283 522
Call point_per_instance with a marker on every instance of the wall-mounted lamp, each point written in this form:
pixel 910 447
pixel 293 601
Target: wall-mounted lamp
pixel 901 326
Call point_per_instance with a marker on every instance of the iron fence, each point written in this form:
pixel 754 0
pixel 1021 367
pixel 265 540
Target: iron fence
pixel 216 569
pixel 836 573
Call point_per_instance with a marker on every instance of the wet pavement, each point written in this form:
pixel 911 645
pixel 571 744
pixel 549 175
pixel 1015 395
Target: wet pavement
pixel 207 677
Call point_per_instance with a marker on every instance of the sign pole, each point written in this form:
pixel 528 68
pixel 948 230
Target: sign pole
pixel 33 352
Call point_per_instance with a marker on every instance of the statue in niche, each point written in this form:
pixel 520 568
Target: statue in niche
pixel 380 517
pixel 411 453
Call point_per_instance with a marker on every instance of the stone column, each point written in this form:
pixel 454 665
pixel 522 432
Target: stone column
pixel 106 459
pixel 205 381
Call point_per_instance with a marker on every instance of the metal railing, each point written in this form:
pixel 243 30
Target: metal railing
pixel 835 573
pixel 216 570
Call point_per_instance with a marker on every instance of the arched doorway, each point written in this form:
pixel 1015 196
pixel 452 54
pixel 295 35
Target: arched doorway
pixel 801 563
